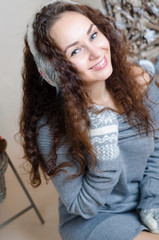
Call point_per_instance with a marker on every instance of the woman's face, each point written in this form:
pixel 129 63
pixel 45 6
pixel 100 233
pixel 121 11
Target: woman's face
pixel 83 45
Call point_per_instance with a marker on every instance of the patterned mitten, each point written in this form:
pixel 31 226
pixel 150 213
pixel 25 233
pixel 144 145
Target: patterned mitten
pixel 104 134
pixel 150 218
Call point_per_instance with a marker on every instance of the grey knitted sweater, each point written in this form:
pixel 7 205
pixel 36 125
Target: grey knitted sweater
pixel 102 204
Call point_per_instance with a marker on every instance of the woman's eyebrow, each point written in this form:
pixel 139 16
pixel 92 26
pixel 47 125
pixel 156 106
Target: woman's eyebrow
pixel 90 29
pixel 72 44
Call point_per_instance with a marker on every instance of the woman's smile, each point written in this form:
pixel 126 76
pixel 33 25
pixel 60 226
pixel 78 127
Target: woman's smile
pixel 100 65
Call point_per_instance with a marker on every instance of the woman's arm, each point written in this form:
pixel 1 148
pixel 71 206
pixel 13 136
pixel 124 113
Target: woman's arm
pixel 150 184
pixel 149 204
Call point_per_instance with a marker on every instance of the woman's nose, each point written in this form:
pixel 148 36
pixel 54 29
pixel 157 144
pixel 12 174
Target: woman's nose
pixel 94 52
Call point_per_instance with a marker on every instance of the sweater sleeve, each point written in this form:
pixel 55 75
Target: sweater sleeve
pixel 85 194
pixel 149 186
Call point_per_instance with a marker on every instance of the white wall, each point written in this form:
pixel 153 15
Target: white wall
pixel 14 16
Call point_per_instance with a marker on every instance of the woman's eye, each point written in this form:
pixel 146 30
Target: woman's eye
pixel 75 52
pixel 93 35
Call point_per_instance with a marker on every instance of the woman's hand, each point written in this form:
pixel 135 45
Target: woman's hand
pixel 150 218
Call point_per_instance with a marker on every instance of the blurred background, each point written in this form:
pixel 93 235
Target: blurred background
pixel 140 20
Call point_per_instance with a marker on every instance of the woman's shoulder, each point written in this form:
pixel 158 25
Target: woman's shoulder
pixel 148 66
pixel 144 75
pixel 43 128
pixel 44 138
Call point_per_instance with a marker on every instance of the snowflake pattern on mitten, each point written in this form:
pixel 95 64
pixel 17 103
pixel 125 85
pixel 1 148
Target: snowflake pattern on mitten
pixel 104 134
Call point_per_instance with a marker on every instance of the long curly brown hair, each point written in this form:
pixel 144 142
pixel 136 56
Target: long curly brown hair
pixel 66 111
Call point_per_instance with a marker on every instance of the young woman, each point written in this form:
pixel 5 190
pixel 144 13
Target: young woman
pixel 90 121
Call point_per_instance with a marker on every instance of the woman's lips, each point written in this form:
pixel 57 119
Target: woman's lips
pixel 100 65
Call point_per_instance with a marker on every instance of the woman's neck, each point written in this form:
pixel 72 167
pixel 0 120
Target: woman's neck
pixel 101 96
pixel 97 91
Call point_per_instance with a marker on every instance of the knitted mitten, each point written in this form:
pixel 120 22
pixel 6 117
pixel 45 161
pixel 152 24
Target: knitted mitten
pixel 104 134
pixel 150 218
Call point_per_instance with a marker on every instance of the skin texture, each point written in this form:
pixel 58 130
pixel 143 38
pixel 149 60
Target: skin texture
pixel 89 48
pixel 147 236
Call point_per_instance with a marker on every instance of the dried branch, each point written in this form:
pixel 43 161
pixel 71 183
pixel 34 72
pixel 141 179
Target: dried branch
pixel 140 21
